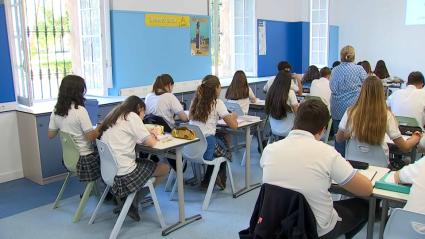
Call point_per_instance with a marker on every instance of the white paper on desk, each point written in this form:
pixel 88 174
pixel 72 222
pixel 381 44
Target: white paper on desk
pixel 222 122
pixel 248 118
pixel 390 178
pixel 260 102
pixel 368 173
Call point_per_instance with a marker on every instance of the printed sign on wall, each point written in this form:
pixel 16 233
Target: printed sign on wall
pixel 200 36
pixel 162 20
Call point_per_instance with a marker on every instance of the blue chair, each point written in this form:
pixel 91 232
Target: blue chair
pixel 405 224
pixel 372 154
pixel 109 169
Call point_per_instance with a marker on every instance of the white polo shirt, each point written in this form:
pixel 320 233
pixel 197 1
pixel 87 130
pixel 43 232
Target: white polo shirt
pixel 415 174
pixel 282 127
pixel 244 103
pixel 392 129
pixel 218 111
pixel 77 123
pixel 294 85
pixel 408 102
pixel 303 164
pixel 122 139
pixel 320 88
pixel 165 106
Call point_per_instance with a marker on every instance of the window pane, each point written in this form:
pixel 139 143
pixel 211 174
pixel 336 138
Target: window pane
pixel 239 45
pixel 239 8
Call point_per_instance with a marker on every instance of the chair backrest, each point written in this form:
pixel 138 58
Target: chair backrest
pixel 234 107
pixel 407 121
pixel 325 137
pixel 108 165
pixel 195 151
pixel 283 126
pixel 70 151
pixel 372 154
pixel 405 224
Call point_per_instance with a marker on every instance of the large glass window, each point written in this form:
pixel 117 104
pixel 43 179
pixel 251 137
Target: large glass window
pixel 319 32
pixel 53 38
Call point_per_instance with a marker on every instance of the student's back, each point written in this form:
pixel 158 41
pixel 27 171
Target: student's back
pixel 414 174
pixel 239 92
pixel 321 88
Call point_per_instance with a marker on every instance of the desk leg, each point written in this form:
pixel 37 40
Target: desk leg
pixel 183 221
pixel 260 138
pixel 383 218
pixel 371 220
pixel 248 187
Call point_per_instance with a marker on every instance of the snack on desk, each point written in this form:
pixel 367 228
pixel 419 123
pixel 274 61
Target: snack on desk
pixel 183 133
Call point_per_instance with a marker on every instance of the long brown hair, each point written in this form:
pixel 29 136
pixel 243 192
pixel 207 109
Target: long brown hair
pixel 131 104
pixel 277 96
pixel 72 90
pixel 159 87
pixel 205 99
pixel 239 88
pixel 367 118
pixel 381 70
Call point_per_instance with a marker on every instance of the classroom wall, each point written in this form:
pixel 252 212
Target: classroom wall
pixel 140 53
pixel 7 91
pixel 377 31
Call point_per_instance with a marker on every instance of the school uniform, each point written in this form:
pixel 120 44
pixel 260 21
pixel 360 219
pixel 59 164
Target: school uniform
pixel 321 88
pixel 244 103
pixel 282 126
pixel 305 165
pixel 165 105
pixel 122 139
pixel 414 174
pixel 77 123
pixel 408 102
pixel 391 130
pixel 294 85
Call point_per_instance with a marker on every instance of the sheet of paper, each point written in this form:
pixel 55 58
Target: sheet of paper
pixel 369 173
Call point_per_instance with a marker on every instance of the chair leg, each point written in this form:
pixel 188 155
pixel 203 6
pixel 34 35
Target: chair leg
pixel 229 170
pixel 244 153
pixel 121 217
pixel 211 186
pixel 171 177
pixel 156 204
pixel 99 204
pixel 83 201
pixel 173 191
pixel 59 197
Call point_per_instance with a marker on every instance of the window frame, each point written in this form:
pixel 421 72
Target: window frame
pixel 312 49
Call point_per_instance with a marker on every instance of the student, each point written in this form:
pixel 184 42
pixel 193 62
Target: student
pixel 320 87
pixel 239 91
pixel 296 84
pixel 281 104
pixel 366 66
pixel 413 174
pixel 312 73
pixel 122 129
pixel 410 102
pixel 335 64
pixel 369 119
pixel 302 163
pixel 381 70
pixel 205 111
pixel 71 117
pixel 161 102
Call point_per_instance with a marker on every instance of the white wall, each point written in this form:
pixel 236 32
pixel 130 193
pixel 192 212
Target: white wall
pixel 10 150
pixel 377 31
pixel 195 7
pixel 282 10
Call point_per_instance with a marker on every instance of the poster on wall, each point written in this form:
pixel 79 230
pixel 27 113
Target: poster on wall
pixel 163 20
pixel 262 45
pixel 200 36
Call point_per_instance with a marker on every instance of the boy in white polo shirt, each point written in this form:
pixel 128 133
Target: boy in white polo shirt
pixel 301 162
pixel 410 102
pixel 321 88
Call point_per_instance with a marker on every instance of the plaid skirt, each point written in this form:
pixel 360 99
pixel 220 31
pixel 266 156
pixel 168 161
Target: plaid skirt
pixel 88 167
pixel 134 181
pixel 221 148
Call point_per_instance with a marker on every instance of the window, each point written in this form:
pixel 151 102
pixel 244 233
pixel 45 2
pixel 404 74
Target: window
pixel 234 31
pixel 54 38
pixel 319 32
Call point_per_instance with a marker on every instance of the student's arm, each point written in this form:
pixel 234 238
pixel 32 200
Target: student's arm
pixel 343 133
pixel 52 133
pixel 341 136
pixel 252 97
pixel 294 108
pixel 406 145
pixel 231 120
pixel 293 101
pixel 93 134
pixel 150 141
pixel 139 130
pixel 53 128
pixel 177 108
pixel 298 78
pixel 359 185
pixel 183 116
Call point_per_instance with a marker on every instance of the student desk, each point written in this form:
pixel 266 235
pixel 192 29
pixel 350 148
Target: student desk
pixel 246 126
pixel 413 153
pixel 162 148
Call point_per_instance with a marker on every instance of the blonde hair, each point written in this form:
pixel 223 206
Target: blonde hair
pixel 367 118
pixel 348 54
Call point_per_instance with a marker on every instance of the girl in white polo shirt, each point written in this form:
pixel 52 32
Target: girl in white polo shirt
pixel 70 116
pixel 205 111
pixel 122 129
pixel 161 102
pixel 281 105
pixel 239 91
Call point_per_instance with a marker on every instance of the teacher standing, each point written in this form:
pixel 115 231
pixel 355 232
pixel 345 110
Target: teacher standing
pixel 346 82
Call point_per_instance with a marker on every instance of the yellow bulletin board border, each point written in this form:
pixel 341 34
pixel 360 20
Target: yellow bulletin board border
pixel 164 20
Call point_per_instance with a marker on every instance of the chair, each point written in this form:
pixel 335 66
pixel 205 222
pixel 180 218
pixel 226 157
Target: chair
pixel 234 107
pixel 195 153
pixel 407 121
pixel 325 137
pixel 71 156
pixel 372 154
pixel 277 131
pixel 405 224
pixel 109 169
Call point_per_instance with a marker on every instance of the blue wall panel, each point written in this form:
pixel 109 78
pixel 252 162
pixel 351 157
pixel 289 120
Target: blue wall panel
pixel 7 91
pixel 305 46
pixel 333 44
pixel 140 53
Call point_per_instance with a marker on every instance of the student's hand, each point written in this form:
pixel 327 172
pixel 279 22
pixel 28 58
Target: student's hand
pixel 156 131
pixel 417 134
pixel 397 177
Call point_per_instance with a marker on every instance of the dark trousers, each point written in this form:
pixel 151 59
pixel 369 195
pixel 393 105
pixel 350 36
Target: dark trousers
pixel 340 147
pixel 354 214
